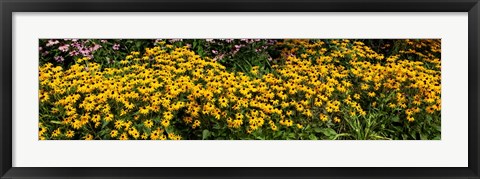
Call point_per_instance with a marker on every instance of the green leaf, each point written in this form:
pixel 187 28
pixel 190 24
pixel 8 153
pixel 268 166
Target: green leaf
pixel 105 124
pixel 217 126
pixel 423 136
pixel 291 135
pixel 330 133
pixel 341 135
pixel 395 119
pixel 318 130
pixel 260 138
pixel 312 137
pixel 205 134
pixel 56 122
pixel 277 134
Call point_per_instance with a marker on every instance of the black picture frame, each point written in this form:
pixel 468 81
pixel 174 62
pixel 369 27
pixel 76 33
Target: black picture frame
pixel 10 6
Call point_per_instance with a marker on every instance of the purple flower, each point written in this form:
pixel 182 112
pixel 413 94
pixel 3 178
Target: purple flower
pixel 116 47
pixel 73 53
pixel 76 45
pixel 271 42
pixel 59 58
pixel 84 51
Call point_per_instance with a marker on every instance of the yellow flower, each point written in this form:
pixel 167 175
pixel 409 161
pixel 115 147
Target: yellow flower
pixel 154 135
pixel 410 118
pixel 299 126
pixel 144 136
pixel 196 124
pixel 124 136
pixel 113 133
pixel 323 117
pixel 167 115
pixel 108 117
pixel 88 137
pixel 148 123
pixel 356 96
pixel 56 133
pixel 165 123
pixel 70 134
pixel 336 119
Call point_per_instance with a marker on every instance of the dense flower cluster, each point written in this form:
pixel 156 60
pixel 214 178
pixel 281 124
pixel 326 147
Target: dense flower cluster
pixel 320 89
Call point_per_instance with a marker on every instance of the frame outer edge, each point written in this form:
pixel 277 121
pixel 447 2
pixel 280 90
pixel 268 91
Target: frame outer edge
pixel 2 93
pixel 477 169
pixel 5 88
pixel 476 56
pixel 474 86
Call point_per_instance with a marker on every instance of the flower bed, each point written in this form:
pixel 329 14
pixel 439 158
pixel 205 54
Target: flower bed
pixel 223 89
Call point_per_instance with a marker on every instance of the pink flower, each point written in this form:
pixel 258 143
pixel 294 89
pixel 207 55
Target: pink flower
pixel 219 57
pixel 52 42
pixel 84 51
pixel 76 45
pixel 96 47
pixel 116 47
pixel 73 53
pixel 64 48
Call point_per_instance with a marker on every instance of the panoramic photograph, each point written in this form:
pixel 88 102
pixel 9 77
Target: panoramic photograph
pixel 239 89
